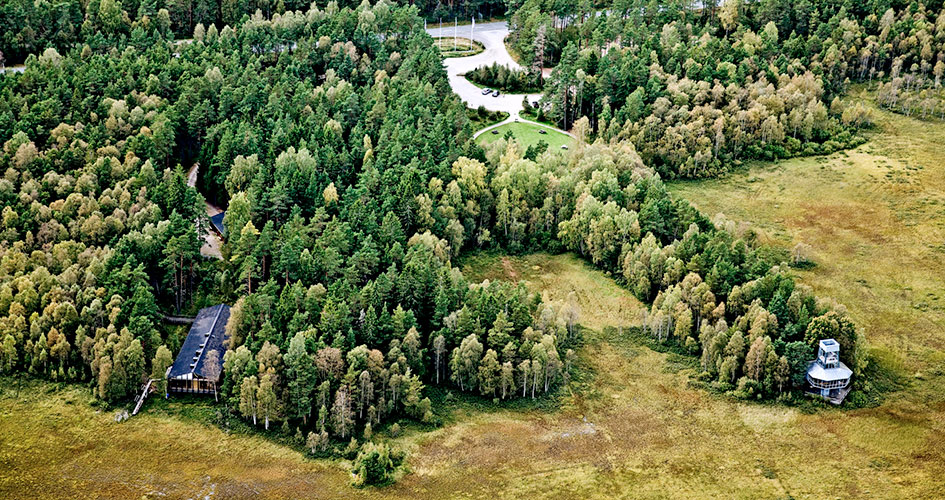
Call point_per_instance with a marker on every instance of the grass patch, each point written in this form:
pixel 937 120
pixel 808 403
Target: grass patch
pixel 527 134
pixel 56 444
pixel 874 224
pixel 458 47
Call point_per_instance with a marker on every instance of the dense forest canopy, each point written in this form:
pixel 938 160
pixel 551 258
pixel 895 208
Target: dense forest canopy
pixel 338 267
pixel 695 89
pixel 30 27
pixel 352 185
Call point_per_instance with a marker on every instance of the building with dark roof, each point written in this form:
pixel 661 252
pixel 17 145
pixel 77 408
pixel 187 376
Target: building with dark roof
pixel 191 373
pixel 217 222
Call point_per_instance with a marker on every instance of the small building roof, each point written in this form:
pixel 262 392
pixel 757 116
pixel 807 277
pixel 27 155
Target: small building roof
pixel 217 221
pixel 829 345
pixel 207 333
pixel 817 371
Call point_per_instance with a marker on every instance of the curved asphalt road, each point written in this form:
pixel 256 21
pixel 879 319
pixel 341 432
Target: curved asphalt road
pixel 492 37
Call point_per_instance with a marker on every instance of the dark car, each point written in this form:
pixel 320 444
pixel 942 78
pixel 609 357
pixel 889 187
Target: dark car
pixel 486 91
pixel 534 104
pixel 495 94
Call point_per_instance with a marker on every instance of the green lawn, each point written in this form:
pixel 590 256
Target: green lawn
pixel 527 134
pixel 460 47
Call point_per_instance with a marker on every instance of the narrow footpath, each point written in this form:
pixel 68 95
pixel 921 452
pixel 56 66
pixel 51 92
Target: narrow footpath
pixel 211 241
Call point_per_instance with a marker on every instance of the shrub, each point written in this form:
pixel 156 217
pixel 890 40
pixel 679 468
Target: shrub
pixel 351 451
pixel 504 79
pixel 373 466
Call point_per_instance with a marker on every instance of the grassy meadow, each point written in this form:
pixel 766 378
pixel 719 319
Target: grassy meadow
pixel 527 135
pixel 629 425
pixel 874 220
pixel 457 47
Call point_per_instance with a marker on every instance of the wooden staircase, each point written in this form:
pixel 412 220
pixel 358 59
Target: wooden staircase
pixel 139 400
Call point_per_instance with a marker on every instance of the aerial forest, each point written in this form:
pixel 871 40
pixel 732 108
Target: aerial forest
pixel 700 90
pixel 353 187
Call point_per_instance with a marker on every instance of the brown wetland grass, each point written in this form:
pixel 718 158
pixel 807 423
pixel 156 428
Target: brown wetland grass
pixel 629 425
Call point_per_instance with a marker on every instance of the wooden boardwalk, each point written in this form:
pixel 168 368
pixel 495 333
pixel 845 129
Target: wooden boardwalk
pixel 177 320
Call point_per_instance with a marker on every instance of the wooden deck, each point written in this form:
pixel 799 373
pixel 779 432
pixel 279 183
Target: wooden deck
pixel 836 396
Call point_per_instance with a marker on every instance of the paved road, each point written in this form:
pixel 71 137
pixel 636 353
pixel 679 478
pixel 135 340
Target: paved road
pixel 491 36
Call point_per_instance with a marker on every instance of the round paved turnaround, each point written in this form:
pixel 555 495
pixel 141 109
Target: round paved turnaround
pixel 492 37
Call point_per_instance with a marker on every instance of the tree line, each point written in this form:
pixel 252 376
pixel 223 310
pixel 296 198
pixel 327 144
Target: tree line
pixel 714 291
pixel 28 27
pixel 696 90
pixel 502 78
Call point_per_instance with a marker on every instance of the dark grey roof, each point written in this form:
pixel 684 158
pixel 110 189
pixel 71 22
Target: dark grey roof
pixel 217 221
pixel 206 334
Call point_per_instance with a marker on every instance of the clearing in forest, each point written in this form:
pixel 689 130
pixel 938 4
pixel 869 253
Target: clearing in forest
pixel 528 134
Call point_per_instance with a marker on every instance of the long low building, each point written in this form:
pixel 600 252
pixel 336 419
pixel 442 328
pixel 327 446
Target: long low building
pixel 194 370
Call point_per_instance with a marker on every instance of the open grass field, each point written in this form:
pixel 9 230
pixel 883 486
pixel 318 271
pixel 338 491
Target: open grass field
pixel 527 134
pixel 629 426
pixel 874 217
pixel 54 444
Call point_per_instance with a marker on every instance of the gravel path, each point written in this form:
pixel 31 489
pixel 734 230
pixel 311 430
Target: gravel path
pixel 211 242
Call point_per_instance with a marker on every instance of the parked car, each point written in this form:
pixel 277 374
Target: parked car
pixel 495 94
pixel 534 104
pixel 486 91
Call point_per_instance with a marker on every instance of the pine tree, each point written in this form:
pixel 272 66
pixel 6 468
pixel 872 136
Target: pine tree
pixel 300 377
